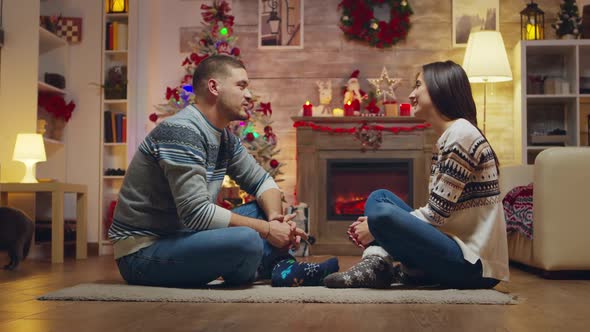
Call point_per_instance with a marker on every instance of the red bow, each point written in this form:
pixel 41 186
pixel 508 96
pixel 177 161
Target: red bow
pixel 196 59
pixel 187 79
pixel 265 108
pixel 218 12
pixel 172 93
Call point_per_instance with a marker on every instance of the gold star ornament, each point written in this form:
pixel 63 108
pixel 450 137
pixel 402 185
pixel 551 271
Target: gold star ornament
pixel 385 86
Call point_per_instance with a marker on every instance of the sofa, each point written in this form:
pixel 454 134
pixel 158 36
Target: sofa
pixel 561 223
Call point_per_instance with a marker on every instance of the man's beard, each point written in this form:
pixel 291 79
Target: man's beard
pixel 231 111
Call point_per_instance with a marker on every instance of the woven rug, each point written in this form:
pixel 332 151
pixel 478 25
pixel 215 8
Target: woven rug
pixel 266 294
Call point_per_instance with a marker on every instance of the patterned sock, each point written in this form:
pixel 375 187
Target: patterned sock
pixel 370 272
pixel 290 273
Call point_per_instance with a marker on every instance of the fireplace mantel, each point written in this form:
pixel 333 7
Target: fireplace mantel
pixel 359 119
pixel 315 148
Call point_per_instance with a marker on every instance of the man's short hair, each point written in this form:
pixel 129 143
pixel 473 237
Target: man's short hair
pixel 214 66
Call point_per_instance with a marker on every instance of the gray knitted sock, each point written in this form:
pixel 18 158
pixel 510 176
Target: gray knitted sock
pixel 370 272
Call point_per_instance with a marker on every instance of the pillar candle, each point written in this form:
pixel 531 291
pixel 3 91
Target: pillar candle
pixel 348 109
pixel 338 112
pixel 405 109
pixel 307 109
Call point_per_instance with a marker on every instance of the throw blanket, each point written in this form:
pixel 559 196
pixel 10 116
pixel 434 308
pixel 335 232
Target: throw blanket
pixel 518 210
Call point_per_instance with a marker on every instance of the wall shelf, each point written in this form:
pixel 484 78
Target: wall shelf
pixel 49 41
pixel 44 87
pixel 118 44
pixel 547 92
pixel 50 141
pixel 115 101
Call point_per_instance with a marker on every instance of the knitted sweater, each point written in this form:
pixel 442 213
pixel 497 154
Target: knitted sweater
pixel 174 178
pixel 464 199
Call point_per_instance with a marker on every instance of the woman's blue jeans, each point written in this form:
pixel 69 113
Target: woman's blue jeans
pixel 193 259
pixel 419 245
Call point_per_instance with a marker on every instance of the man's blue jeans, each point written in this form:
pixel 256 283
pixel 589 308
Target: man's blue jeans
pixel 420 245
pixel 192 259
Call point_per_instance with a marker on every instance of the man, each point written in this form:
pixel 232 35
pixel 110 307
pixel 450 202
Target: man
pixel 168 232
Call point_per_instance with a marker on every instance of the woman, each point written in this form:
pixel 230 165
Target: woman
pixel 458 239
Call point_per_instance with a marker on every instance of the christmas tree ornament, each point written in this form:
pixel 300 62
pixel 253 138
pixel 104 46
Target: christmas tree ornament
pixel 385 86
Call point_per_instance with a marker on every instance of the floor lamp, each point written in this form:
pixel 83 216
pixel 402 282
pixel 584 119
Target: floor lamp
pixel 486 62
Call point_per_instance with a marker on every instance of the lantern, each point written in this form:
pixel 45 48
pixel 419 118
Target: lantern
pixel 117 6
pixel 532 22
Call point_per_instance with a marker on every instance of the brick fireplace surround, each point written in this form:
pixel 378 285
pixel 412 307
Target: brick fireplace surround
pixel 316 148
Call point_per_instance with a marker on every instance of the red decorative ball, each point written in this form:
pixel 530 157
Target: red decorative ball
pixel 274 163
pixel 250 137
pixel 235 51
pixel 153 117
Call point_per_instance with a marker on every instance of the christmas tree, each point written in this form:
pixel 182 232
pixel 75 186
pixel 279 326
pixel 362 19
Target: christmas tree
pixel 217 38
pixel 568 19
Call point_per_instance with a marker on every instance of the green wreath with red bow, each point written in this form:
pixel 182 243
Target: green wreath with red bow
pixel 358 21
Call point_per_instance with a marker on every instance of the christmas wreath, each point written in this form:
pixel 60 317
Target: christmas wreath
pixel 358 21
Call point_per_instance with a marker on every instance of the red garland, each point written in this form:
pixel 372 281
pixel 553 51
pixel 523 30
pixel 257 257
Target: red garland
pixel 358 21
pixel 365 126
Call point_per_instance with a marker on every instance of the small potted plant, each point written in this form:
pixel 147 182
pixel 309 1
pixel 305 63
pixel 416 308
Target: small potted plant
pixel 59 113
pixel 568 24
pixel 115 84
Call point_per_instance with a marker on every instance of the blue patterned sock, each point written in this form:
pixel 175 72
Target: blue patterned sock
pixel 290 273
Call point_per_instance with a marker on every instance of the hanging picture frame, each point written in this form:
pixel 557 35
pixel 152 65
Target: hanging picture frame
pixel 473 15
pixel 280 24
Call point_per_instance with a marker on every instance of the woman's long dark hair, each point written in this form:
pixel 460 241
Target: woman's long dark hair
pixel 450 91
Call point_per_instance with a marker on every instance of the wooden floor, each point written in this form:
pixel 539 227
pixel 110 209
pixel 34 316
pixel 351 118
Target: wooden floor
pixel 562 305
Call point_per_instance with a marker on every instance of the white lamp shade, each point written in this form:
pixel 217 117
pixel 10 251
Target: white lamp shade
pixel 274 26
pixel 29 147
pixel 485 58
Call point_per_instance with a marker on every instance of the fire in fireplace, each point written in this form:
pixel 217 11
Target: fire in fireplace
pixel 350 181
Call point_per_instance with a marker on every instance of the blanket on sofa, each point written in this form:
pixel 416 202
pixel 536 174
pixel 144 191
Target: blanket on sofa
pixel 518 210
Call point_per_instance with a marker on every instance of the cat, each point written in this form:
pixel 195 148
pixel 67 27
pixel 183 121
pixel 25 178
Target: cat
pixel 16 233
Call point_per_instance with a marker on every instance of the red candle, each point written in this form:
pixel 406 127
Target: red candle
pixel 404 109
pixel 348 109
pixel 307 109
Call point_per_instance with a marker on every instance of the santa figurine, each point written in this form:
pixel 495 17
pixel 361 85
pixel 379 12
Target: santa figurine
pixel 353 92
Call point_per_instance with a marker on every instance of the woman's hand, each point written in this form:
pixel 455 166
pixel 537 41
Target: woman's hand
pixel 359 232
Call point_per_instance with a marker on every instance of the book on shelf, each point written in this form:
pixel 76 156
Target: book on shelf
pixel 116 36
pixel 115 127
pixel 109 36
pixel 122 37
pixel 108 127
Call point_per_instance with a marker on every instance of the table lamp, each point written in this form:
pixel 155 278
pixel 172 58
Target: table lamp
pixel 486 61
pixel 29 149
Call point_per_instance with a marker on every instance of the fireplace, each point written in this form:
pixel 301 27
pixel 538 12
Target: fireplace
pixel 335 176
pixel 350 181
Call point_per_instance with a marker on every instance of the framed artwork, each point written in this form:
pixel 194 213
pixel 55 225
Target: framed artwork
pixel 473 15
pixel 189 37
pixel 280 24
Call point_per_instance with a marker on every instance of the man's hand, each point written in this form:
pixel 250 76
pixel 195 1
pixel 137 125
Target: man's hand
pixel 279 234
pixel 275 216
pixel 296 233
